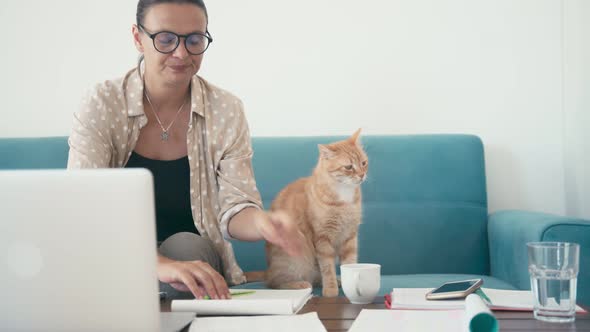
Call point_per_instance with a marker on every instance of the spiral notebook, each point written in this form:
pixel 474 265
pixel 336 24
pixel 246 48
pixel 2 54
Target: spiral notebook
pixel 259 302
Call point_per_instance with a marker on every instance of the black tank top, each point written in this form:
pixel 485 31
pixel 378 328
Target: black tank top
pixel 172 193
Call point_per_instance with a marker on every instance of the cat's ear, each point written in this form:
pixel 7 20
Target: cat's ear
pixel 355 137
pixel 326 152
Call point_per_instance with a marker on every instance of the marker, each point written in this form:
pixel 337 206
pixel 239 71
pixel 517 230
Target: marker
pixel 483 295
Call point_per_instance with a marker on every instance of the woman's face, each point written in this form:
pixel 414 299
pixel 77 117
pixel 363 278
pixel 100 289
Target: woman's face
pixel 178 67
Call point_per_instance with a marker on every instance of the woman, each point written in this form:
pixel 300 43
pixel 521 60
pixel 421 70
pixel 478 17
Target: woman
pixel 194 138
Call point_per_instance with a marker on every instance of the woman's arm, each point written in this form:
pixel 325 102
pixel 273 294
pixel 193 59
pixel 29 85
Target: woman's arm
pixel 253 224
pixel 237 191
pixel 88 141
pixel 243 225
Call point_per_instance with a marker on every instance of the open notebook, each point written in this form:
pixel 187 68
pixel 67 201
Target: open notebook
pixel 260 302
pixel 497 299
pixel 475 316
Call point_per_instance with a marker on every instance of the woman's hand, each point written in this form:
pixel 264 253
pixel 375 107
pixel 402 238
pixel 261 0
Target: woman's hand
pixel 253 224
pixel 195 276
pixel 278 229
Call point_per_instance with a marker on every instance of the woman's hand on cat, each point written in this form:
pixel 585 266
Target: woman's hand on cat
pixel 195 276
pixel 278 229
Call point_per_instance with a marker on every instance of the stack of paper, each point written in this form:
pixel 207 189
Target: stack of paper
pixel 476 317
pixel 295 323
pixel 407 320
pixel 260 302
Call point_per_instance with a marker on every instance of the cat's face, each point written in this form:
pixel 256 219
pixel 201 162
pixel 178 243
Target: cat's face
pixel 345 161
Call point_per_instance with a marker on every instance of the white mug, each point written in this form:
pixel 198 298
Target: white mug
pixel 360 282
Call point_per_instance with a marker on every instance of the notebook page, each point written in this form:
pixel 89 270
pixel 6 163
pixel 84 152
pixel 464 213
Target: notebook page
pixel 377 320
pixel 261 302
pixel 308 322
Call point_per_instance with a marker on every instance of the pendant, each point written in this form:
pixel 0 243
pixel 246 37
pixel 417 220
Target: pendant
pixel 164 136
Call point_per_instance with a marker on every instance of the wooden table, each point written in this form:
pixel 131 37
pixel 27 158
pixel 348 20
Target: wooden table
pixel 337 314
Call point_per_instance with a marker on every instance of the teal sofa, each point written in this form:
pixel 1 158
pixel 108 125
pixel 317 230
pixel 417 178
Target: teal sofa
pixel 425 215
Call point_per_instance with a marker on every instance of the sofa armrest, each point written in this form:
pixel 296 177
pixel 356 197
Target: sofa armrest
pixel 509 231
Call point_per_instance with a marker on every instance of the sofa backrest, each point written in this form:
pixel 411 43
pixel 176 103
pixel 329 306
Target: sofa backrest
pixel 424 202
pixel 33 153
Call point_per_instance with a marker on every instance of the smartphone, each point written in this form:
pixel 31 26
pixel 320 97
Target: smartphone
pixel 454 289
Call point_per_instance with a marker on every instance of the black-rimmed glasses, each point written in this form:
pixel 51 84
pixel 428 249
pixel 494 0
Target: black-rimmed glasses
pixel 167 42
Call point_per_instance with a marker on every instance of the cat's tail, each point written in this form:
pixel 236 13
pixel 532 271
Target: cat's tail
pixel 254 276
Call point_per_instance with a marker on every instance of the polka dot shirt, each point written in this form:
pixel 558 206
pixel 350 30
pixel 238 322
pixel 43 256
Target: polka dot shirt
pixel 107 126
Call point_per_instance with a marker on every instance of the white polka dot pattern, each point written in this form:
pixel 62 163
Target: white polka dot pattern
pixel 107 126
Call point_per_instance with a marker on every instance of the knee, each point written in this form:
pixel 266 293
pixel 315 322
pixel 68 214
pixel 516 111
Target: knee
pixel 186 246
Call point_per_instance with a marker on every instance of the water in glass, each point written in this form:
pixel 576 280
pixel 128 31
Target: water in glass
pixel 555 294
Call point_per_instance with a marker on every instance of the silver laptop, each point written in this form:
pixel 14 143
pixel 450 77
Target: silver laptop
pixel 78 251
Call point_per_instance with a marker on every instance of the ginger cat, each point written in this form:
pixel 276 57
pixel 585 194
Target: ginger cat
pixel 326 207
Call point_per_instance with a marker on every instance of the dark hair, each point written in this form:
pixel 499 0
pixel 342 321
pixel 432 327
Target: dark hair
pixel 144 5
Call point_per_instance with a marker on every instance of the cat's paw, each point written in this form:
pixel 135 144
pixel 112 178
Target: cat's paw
pixel 330 292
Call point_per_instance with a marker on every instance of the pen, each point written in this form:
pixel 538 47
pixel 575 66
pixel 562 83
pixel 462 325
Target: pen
pixel 483 295
pixel 206 297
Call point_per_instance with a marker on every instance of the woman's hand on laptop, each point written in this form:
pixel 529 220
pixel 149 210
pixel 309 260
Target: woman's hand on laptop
pixel 195 276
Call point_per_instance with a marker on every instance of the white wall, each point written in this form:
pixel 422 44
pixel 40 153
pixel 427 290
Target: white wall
pixel 492 68
pixel 577 107
pixel 53 52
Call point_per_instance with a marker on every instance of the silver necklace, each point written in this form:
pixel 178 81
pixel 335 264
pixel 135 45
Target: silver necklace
pixel 165 134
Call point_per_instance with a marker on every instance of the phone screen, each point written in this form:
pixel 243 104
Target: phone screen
pixel 454 286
